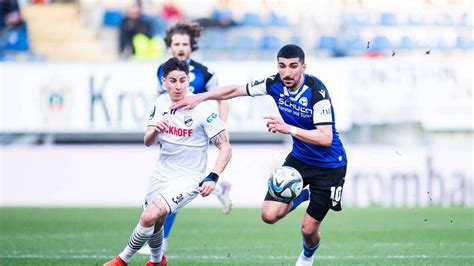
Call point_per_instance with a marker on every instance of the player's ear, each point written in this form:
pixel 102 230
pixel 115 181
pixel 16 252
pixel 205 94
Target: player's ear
pixel 163 79
pixel 303 66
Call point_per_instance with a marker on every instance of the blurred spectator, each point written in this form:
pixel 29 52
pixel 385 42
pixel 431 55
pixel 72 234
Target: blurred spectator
pixel 221 17
pixel 10 15
pixel 133 23
pixel 171 13
pixel 13 31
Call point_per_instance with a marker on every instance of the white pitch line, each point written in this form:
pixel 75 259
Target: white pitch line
pixel 279 257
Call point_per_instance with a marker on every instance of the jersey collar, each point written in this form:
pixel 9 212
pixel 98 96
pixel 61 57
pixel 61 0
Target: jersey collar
pixel 298 92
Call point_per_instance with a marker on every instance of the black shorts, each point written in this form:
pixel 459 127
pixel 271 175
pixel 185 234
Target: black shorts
pixel 325 185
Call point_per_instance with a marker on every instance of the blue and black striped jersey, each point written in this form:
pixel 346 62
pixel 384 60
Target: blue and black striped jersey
pixel 201 78
pixel 306 108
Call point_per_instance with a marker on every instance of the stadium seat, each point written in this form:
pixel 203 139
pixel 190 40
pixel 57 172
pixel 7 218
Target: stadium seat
pixel 442 45
pixel 444 19
pixel 464 43
pixel 380 43
pixel 355 44
pixel 244 42
pixel 158 24
pixel 296 39
pixel 357 19
pixel 112 18
pixel 407 42
pixel 278 20
pixel 252 19
pixel 416 20
pixel 327 42
pixel 465 20
pixel 388 19
pixel 218 40
pixel 271 42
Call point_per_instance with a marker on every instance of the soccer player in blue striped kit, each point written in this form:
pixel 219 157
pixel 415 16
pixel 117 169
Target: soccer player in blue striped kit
pixel 318 154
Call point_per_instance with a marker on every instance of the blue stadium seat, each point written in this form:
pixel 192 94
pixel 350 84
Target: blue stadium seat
pixel 358 19
pixel 252 19
pixel 442 45
pixel 244 42
pixel 327 42
pixel 112 18
pixel 355 44
pixel 271 42
pixel 407 42
pixel 278 20
pixel 296 39
pixel 444 19
pixel 388 19
pixel 158 25
pixel 416 20
pixel 464 43
pixel 465 20
pixel 380 43
pixel 218 40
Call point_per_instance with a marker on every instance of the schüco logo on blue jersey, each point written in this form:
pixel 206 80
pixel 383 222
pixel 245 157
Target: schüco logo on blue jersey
pixel 211 117
pixel 289 104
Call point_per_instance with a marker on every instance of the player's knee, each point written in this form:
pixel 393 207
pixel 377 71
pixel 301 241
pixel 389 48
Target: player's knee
pixel 147 219
pixel 270 217
pixel 310 230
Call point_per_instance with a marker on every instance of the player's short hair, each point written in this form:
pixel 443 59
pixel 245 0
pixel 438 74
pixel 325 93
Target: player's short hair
pixel 291 51
pixel 192 29
pixel 174 64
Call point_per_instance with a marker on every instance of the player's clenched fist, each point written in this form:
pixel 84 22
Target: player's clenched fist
pixel 207 185
pixel 161 126
pixel 275 124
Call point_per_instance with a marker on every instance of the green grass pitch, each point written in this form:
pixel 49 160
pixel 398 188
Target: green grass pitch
pixel 204 236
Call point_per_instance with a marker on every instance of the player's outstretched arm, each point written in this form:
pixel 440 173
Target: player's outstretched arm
pixel 221 141
pixel 321 135
pixel 221 93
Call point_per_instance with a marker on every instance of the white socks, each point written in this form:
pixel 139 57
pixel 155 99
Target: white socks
pixel 138 238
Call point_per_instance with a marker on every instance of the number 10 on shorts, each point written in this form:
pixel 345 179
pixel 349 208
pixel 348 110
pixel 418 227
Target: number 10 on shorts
pixel 336 193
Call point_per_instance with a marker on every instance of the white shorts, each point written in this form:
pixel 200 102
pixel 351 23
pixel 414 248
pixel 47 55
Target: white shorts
pixel 173 193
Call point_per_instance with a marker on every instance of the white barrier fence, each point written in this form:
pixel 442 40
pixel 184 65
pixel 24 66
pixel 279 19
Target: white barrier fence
pixel 66 97
pixel 119 175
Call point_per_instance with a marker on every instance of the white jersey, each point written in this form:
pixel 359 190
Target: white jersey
pixel 183 147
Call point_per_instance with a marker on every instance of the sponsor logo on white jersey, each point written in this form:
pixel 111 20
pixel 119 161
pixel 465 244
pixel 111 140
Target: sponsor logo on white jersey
pixel 188 121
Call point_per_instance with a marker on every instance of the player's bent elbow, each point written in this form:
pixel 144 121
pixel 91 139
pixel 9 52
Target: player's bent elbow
pixel 326 143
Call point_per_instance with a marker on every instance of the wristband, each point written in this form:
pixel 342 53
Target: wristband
pixel 293 130
pixel 211 177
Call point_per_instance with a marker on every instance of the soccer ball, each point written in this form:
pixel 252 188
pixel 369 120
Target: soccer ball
pixel 285 183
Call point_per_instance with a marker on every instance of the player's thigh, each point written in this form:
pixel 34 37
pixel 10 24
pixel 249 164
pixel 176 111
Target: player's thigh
pixel 326 190
pixel 178 193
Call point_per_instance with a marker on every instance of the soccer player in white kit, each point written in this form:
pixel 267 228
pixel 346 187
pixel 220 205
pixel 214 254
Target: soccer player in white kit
pixel 179 173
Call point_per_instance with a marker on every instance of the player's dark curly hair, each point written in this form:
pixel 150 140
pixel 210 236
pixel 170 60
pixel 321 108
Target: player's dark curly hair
pixel 291 51
pixel 192 29
pixel 174 64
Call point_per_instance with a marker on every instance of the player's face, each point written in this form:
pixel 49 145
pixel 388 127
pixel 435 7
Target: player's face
pixel 291 72
pixel 176 83
pixel 180 46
